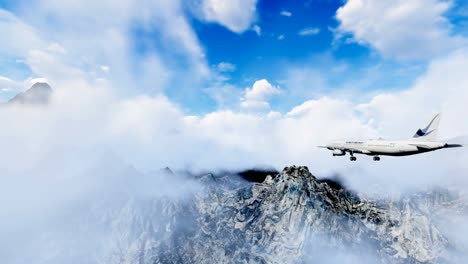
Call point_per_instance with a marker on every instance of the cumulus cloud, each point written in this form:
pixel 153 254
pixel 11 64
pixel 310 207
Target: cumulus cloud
pixel 414 29
pixel 237 15
pixel 440 89
pixel 56 50
pixel 138 130
pixel 149 132
pixel 145 130
pixel 258 96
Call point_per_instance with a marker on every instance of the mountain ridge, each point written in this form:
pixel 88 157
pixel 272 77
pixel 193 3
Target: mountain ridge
pixel 290 217
pixel 280 219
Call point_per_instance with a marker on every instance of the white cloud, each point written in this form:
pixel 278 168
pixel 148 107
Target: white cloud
pixel 281 37
pixel 402 29
pixel 261 90
pixel 257 30
pixel 104 68
pixel 13 86
pixel 226 95
pixel 6 79
pixel 450 100
pixel 83 123
pixel 17 36
pixel 440 89
pixel 55 47
pixel 81 39
pixel 394 115
pixel 296 132
pixel 258 96
pixel 38 80
pixel 225 67
pixel 7 84
pixel 286 13
pixel 236 15
pixel 54 66
pixel 309 31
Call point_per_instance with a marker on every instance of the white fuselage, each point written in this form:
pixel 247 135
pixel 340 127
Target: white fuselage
pixel 385 147
pixel 424 140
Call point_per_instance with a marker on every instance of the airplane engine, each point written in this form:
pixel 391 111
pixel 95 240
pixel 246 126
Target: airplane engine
pixel 338 152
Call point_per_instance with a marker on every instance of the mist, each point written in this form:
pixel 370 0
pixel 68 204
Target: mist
pixel 89 149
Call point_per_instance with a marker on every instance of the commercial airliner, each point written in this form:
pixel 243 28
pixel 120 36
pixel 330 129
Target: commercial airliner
pixel 423 141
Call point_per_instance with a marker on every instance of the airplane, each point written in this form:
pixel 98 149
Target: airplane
pixel 424 140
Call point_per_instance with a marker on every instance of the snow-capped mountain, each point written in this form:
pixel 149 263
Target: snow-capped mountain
pixel 39 93
pixel 289 217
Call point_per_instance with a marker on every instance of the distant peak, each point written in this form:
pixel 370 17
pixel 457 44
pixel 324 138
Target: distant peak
pixel 40 85
pixel 38 93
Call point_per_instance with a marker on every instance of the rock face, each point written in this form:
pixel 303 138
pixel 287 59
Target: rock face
pixel 290 217
pixel 39 93
pixel 283 218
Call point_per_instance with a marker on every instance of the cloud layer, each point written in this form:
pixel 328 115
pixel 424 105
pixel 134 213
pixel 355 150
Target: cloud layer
pixel 414 29
pixel 236 15
pixel 152 132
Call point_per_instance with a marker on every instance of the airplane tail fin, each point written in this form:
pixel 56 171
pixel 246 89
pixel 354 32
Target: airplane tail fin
pixel 429 133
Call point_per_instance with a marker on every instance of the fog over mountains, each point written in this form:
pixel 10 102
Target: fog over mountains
pixel 66 204
pixel 290 217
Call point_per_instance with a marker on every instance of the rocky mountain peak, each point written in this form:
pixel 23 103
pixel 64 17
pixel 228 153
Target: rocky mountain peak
pixel 39 93
pixel 276 221
pixel 289 217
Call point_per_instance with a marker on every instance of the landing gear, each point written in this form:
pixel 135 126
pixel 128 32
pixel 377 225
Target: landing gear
pixel 376 158
pixel 352 158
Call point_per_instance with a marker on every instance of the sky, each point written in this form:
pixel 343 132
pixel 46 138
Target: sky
pixel 203 84
pixel 204 54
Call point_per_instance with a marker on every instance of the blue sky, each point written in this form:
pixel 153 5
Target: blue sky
pixel 223 51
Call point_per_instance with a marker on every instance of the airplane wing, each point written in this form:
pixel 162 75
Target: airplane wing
pixel 423 146
pixel 453 146
pixel 354 150
pixel 420 146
